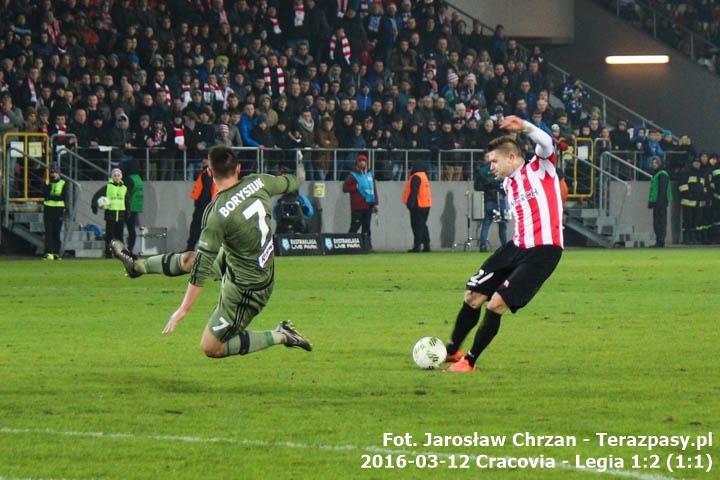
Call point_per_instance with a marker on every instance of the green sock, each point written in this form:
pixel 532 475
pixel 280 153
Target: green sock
pixel 248 342
pixel 166 264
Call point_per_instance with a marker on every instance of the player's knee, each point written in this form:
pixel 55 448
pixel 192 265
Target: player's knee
pixel 497 304
pixel 212 349
pixel 474 300
pixel 186 261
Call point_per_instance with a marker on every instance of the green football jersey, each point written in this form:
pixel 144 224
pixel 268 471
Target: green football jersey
pixel 238 220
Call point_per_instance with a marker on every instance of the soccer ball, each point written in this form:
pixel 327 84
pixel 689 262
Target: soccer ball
pixel 429 353
pixel 103 202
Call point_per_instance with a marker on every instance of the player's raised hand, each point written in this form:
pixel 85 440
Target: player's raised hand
pixel 512 124
pixel 175 318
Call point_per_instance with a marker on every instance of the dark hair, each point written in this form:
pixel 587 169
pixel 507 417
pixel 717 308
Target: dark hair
pixel 223 162
pixel 506 144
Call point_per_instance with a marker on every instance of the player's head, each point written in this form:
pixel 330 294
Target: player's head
pixel 505 156
pixel 223 163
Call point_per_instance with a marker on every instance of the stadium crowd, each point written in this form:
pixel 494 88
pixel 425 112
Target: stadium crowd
pixel 179 76
pixel 672 21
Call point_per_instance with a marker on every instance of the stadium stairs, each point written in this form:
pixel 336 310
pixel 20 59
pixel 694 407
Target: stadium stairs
pixel 603 230
pixel 25 221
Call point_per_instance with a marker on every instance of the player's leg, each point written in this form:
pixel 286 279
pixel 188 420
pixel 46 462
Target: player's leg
pixel 514 293
pixel 467 318
pixel 479 288
pixel 226 333
pixel 169 264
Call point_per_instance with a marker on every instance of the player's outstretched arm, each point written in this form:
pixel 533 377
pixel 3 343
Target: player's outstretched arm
pixel 191 294
pixel 543 142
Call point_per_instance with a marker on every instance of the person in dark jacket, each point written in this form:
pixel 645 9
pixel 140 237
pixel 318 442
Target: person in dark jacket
pixel 714 187
pixel 693 195
pixel 418 199
pixel 56 198
pixel 494 205
pixel 115 205
pixel 362 187
pixel 659 199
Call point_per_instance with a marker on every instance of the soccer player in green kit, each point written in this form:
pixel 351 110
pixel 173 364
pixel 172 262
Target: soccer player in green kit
pixel 236 243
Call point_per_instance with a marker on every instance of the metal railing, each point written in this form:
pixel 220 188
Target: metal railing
pixel 611 109
pixel 664 28
pixel 319 164
pixel 72 198
pixel 603 190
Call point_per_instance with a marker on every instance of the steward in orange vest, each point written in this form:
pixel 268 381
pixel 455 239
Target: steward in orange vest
pixel 418 199
pixel 203 192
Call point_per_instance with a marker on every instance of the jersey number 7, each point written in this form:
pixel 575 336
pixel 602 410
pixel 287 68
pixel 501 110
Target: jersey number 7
pixel 257 208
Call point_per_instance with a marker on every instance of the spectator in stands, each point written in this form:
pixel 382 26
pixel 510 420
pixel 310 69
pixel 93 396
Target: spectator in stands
pixel 652 149
pixel 325 138
pixel 11 117
pixel 620 137
pixel 668 142
pixel 121 139
pixel 306 133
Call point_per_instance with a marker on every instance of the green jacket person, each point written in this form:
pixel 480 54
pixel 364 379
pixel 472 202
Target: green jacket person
pixel 659 199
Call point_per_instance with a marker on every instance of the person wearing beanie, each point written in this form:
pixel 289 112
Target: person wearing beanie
pixel 361 185
pixel 56 197
pixel 450 92
pixel 116 206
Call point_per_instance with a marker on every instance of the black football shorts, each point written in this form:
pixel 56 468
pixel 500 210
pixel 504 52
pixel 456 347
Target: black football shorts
pixel 515 273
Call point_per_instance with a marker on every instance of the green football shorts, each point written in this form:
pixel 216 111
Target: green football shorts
pixel 236 306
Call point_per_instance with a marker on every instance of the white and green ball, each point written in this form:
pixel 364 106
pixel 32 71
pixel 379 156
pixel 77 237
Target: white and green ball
pixel 429 353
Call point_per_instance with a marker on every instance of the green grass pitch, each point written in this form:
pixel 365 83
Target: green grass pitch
pixel 624 342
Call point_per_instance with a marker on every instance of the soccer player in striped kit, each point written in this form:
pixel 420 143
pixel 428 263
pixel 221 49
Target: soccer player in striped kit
pixel 511 276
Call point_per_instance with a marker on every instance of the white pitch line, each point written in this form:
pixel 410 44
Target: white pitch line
pixel 287 444
pixel 29 478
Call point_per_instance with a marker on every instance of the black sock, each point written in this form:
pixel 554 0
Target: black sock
pixel 484 335
pixel 466 320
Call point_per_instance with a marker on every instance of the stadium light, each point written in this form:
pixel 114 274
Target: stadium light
pixel 636 59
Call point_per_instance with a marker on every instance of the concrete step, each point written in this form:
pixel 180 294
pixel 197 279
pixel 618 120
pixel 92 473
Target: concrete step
pixel 37 227
pixel 601 221
pixel 85 245
pixel 27 217
pixel 584 212
pixel 90 253
pixel 80 236
pixel 625 229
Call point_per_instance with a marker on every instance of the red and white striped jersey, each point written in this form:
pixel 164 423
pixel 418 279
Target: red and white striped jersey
pixel 533 194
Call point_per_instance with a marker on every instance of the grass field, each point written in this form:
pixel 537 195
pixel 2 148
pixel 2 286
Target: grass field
pixel 624 342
